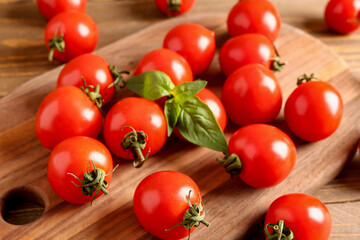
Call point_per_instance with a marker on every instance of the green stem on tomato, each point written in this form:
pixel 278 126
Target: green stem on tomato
pixel 174 5
pixel 94 95
pixel 231 163
pixel 119 81
pixel 280 231
pixel 305 78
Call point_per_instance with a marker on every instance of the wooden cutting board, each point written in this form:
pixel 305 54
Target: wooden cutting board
pixel 231 206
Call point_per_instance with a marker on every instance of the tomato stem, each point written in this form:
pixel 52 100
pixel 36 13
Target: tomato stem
pixel 192 217
pixel 174 5
pixel 280 231
pixel 56 43
pixel 305 78
pixel 93 181
pixel 135 141
pixel 231 163
pixel 94 95
pixel 119 81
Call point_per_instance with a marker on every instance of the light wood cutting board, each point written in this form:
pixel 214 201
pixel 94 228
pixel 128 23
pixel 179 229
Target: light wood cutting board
pixel 231 206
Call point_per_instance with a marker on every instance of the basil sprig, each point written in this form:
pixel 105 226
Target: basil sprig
pixel 194 119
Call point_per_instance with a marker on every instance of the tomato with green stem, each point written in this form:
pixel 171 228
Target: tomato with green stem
pixel 135 128
pixel 262 155
pixel 343 16
pixel 79 169
pixel 50 8
pixel 175 7
pixel 300 215
pixel 254 16
pixel 70 34
pixel 66 112
pixel 96 71
pixel 168 205
pixel 314 109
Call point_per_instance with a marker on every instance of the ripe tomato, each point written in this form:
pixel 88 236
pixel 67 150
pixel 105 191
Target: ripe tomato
pixel 75 155
pixel 66 112
pixel 167 61
pixel 49 8
pixel 266 153
pixel 194 42
pixel 251 94
pixel 174 7
pixel 142 115
pixel 314 110
pixel 95 71
pixel 70 34
pixel 161 200
pixel 306 216
pixel 245 49
pixel 343 15
pixel 254 16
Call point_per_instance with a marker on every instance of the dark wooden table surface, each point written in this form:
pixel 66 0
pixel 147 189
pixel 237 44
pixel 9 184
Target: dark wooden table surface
pixel 23 56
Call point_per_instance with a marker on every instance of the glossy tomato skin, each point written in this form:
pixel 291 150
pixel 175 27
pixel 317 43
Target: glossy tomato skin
pixel 254 16
pixel 306 216
pixel 246 49
pixel 314 110
pixel 167 61
pixel 74 155
pixel 343 15
pixel 267 154
pixel 50 8
pixel 160 201
pixel 140 114
pixel 94 69
pixel 186 5
pixel 251 94
pixel 66 112
pixel 195 43
pixel 79 30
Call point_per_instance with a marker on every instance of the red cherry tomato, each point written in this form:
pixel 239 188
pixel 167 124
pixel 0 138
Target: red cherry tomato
pixel 251 94
pixel 306 216
pixel 267 154
pixel 314 110
pixel 343 15
pixel 195 43
pixel 140 114
pixel 160 202
pixel 254 16
pixel 66 112
pixel 75 155
pixel 175 7
pixel 167 61
pixel 77 32
pixel 49 8
pixel 95 71
pixel 245 49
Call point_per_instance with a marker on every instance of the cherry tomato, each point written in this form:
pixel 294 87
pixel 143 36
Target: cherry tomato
pixel 95 71
pixel 141 115
pixel 70 34
pixel 254 16
pixel 245 49
pixel 251 94
pixel 314 110
pixel 306 216
pixel 343 15
pixel 161 200
pixel 175 7
pixel 167 61
pixel 195 43
pixel 49 8
pixel 66 112
pixel 266 153
pixel 76 155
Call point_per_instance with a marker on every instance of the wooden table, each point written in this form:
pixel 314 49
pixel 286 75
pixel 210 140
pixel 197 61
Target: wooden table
pixel 23 56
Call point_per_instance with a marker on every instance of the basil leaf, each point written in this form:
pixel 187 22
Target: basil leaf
pixel 172 111
pixel 151 85
pixel 188 89
pixel 198 125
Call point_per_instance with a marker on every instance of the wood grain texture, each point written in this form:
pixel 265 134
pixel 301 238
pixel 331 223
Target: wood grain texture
pixel 23 160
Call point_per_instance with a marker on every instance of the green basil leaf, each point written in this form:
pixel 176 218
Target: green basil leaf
pixel 188 89
pixel 172 111
pixel 151 85
pixel 198 125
